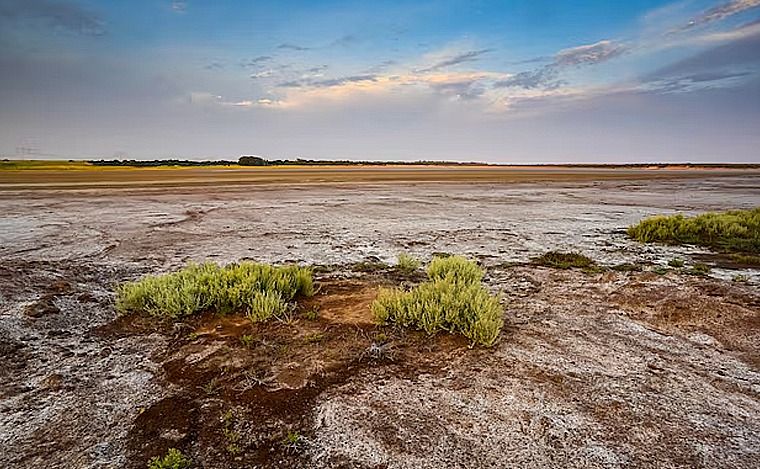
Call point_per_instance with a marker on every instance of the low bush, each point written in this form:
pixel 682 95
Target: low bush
pixel 699 269
pixel 408 264
pixel 173 459
pixel 453 300
pixel 564 260
pixel 740 278
pixel 259 290
pixel 733 231
pixel 676 262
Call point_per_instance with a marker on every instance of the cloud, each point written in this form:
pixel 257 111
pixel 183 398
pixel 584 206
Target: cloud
pixel 723 66
pixel 262 74
pixel 546 77
pixel 179 6
pixel 256 61
pixel 345 41
pixel 55 14
pixel 214 66
pixel 327 83
pixel 589 54
pixel 296 47
pixel 469 56
pixel 720 12
pixel 465 90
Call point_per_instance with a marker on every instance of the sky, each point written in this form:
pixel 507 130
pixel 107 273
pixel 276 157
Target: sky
pixel 511 81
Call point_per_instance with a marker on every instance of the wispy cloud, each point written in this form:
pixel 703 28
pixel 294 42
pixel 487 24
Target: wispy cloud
pixel 55 14
pixel 469 56
pixel 289 46
pixel 590 54
pixel 179 6
pixel 720 12
pixel 544 77
pixel 547 76
pixel 307 82
pixel 214 66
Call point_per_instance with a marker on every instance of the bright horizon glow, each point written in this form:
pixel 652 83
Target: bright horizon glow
pixel 519 82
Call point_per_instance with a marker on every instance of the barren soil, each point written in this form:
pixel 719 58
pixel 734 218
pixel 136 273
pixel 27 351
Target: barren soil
pixel 603 368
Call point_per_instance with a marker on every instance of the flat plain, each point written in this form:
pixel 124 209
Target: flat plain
pixel 630 364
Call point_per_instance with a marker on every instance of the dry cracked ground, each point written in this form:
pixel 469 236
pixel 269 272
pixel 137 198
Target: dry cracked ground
pixel 607 368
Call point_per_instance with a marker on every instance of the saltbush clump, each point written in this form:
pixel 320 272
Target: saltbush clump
pixel 407 264
pixel 260 290
pixel 173 459
pixel 564 260
pixel 454 268
pixel 733 231
pixel 453 300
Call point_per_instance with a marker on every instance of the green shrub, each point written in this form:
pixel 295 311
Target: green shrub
pixel 173 459
pixel 699 269
pixel 453 300
pixel 564 260
pixel 676 262
pixel 740 278
pixel 745 259
pixel 259 290
pixel 456 269
pixel 369 266
pixel 732 231
pixel 407 264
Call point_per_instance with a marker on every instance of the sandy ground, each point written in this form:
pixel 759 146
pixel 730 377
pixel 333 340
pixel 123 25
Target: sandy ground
pixel 610 369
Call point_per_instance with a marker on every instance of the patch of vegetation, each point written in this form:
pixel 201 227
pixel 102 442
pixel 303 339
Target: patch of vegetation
pixel 212 387
pixel 294 441
pixel 456 269
pixel 247 340
pixel 369 266
pixel 740 278
pixel 564 260
pixel 407 264
pixel 453 300
pixel 442 254
pixel 259 290
pixel 173 459
pixel 736 231
pixel 314 338
pixel 699 269
pixel 676 263
pixel 660 270
pixel 627 267
pixel 158 163
pixel 232 436
pixel 312 314
pixel 745 259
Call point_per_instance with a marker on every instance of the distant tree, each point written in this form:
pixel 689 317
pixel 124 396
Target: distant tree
pixel 252 161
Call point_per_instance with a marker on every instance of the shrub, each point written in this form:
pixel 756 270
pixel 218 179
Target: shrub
pixel 564 260
pixel 369 266
pixel 259 290
pixel 745 259
pixel 407 264
pixel 457 269
pixel 453 300
pixel 676 262
pixel 732 231
pixel 699 269
pixel 173 459
pixel 740 278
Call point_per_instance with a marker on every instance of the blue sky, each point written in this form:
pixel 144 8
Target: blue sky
pixel 502 81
